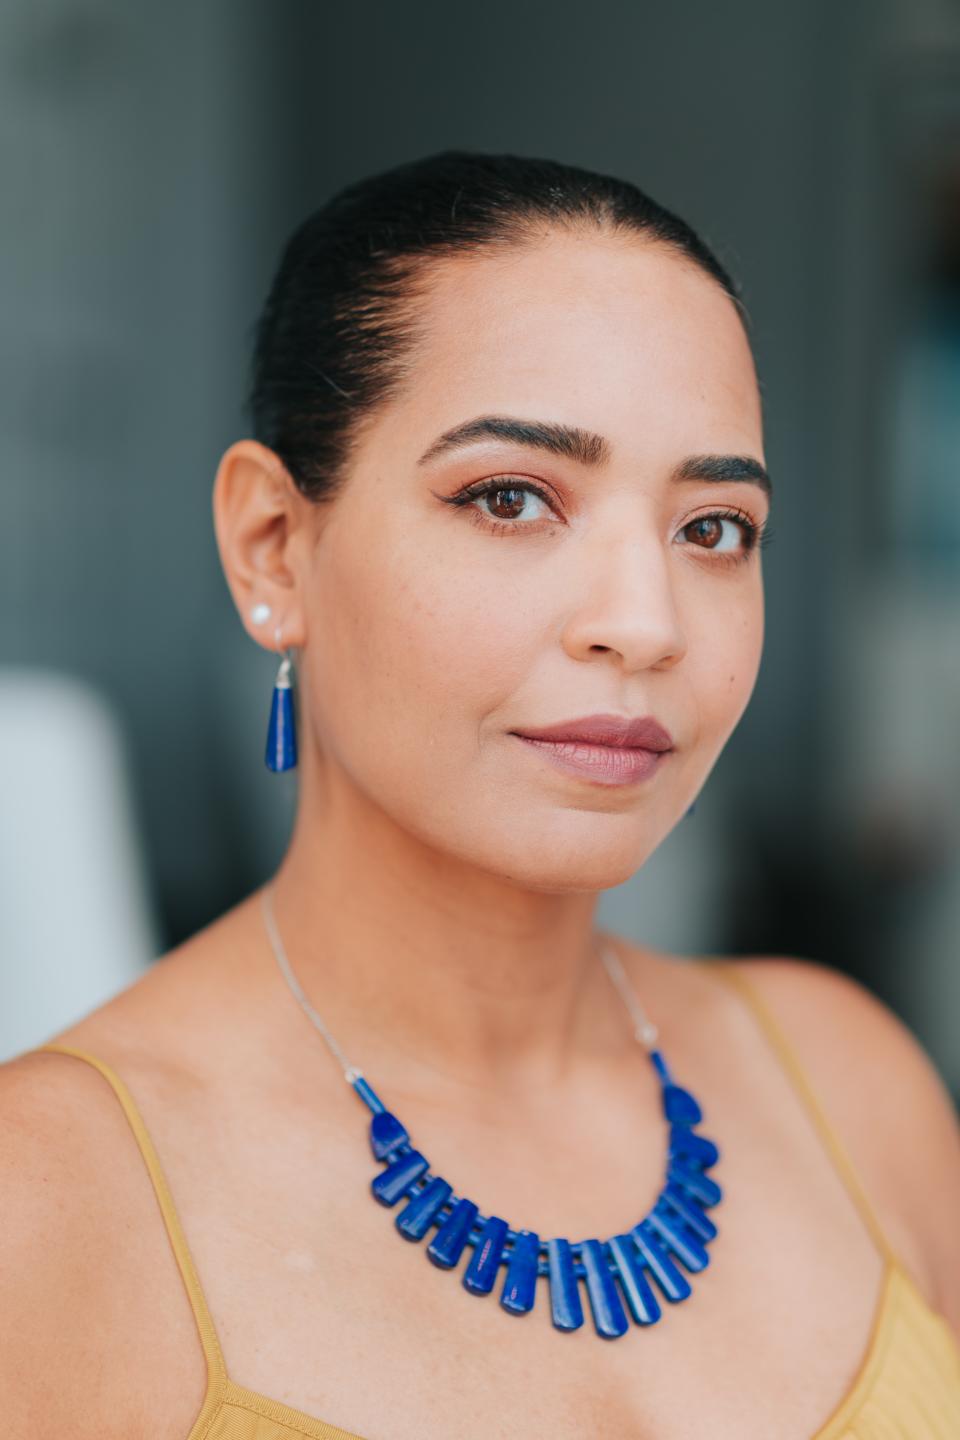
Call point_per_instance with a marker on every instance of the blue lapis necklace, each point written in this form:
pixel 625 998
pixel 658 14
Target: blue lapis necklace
pixel 624 1277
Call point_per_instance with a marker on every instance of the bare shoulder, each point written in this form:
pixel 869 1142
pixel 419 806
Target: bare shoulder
pixel 89 1284
pixel 54 1254
pixel 885 1097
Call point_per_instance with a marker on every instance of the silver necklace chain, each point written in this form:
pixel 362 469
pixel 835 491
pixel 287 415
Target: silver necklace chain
pixel 644 1029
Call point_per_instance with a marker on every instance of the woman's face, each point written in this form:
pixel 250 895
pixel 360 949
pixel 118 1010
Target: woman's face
pixel 591 583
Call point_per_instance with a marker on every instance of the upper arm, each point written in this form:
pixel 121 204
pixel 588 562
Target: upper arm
pixel 885 1098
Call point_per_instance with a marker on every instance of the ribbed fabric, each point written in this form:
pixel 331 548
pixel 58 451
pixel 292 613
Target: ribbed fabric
pixel 907 1386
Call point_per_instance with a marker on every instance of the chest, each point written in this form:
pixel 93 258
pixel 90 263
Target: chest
pixel 323 1306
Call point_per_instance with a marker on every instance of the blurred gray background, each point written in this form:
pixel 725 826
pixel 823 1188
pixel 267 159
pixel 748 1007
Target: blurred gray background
pixel 154 159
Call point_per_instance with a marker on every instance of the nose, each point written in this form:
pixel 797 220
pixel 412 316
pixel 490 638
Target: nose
pixel 626 605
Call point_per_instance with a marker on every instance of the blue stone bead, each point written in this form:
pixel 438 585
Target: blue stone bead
pixel 482 1270
pixel 609 1316
pixel 386 1134
pixel 679 1106
pixel 416 1217
pixel 689 1212
pixel 367 1094
pixel 520 1283
pixel 684 1245
pixel 687 1144
pixel 396 1180
pixel 446 1247
pixel 700 1186
pixel 281 732
pixel 672 1281
pixel 661 1067
pixel 643 1303
pixel 565 1301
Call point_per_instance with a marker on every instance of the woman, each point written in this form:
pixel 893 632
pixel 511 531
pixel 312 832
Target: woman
pixel 508 476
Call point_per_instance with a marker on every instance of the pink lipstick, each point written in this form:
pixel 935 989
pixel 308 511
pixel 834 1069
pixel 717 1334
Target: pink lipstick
pixel 607 749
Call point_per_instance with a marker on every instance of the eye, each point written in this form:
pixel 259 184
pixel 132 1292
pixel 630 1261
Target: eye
pixel 510 504
pixel 708 532
pixel 509 501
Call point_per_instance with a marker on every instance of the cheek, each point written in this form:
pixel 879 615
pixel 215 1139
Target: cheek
pixel 728 646
pixel 413 656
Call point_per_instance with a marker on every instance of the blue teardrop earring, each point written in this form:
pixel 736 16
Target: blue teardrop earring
pixel 692 808
pixel 281 750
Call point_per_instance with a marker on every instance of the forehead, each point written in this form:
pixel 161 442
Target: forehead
pixel 615 333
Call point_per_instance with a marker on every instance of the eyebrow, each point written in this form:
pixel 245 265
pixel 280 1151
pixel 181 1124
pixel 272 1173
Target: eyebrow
pixel 583 446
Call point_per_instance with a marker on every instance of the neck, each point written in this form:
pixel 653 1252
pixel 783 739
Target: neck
pixel 429 971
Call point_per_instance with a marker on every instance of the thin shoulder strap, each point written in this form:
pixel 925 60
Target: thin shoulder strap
pixel 791 1064
pixel 216 1372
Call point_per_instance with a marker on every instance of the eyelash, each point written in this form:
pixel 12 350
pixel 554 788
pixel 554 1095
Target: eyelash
pixel 755 536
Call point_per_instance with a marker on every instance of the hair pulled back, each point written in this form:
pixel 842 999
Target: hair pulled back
pixel 336 334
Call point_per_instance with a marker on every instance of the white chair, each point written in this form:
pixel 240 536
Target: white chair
pixel 77 922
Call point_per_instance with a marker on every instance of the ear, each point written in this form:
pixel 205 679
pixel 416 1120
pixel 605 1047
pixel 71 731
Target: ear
pixel 258 517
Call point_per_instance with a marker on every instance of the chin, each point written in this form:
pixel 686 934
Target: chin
pixel 582 867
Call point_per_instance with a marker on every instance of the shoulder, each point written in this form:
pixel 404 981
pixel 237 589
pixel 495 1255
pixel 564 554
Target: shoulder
pixel 50 1252
pixel 52 1120
pixel 81 1250
pixel 885 1098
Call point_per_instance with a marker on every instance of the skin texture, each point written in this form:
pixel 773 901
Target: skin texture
pixel 430 841
pixel 437 902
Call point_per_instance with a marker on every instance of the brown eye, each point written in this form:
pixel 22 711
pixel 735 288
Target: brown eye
pixel 709 529
pixel 707 533
pixel 504 507
pixel 507 504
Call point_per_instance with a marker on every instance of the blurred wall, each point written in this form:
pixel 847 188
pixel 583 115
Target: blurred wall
pixel 154 160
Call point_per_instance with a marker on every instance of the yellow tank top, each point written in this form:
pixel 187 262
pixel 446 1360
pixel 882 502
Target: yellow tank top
pixel 907 1384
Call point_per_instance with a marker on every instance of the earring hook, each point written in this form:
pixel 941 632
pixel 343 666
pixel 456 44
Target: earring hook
pixel 283 678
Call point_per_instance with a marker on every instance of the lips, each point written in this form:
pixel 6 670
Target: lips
pixel 618 731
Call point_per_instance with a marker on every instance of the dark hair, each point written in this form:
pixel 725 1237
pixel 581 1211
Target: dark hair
pixel 335 337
